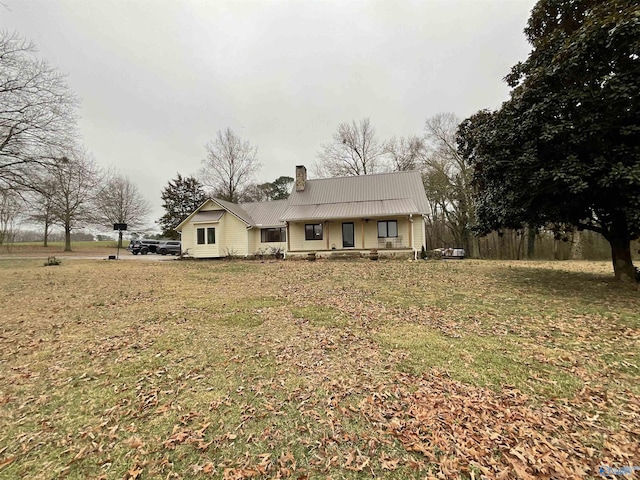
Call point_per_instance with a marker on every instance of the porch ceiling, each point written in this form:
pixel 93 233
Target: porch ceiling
pixel 331 211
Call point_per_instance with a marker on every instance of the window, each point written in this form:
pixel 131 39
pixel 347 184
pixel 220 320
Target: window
pixel 387 228
pixel 273 235
pixel 313 231
pixel 211 236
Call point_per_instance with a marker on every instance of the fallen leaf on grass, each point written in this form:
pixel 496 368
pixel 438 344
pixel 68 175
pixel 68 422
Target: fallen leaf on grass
pixel 6 461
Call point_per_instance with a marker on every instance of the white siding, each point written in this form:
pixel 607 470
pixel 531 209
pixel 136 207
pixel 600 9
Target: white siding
pixel 190 238
pixel 187 238
pixel 206 250
pixel 418 232
pixel 234 236
pixel 254 240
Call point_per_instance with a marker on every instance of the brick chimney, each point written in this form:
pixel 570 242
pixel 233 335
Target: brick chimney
pixel 301 178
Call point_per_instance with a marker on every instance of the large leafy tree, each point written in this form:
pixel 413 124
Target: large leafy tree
pixel 565 148
pixel 181 197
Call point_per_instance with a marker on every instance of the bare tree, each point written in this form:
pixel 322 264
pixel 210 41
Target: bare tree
pixel 119 201
pixel 406 153
pixel 75 181
pixel 37 112
pixel 230 166
pixel 449 179
pixel 354 150
pixel 10 209
pixel 40 201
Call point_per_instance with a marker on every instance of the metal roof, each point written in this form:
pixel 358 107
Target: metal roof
pixel 379 195
pixel 236 209
pixel 208 216
pixel 363 188
pixel 374 208
pixel 266 214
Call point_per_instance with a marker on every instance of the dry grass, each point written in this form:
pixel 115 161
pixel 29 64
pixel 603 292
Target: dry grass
pixel 35 249
pixel 315 370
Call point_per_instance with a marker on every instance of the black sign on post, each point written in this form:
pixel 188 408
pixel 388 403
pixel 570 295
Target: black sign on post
pixel 120 227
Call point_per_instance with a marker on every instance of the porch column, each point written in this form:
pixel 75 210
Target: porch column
pixel 410 232
pixel 326 229
pixel 362 222
pixel 288 238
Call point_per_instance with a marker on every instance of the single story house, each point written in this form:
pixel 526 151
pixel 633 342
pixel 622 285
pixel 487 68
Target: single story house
pixel 382 211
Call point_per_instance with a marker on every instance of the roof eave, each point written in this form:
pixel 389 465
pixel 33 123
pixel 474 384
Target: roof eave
pixel 376 215
pixel 179 226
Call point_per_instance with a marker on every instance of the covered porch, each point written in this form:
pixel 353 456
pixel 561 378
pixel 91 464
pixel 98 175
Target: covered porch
pixel 389 235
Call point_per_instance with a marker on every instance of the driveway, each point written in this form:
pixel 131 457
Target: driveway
pixel 151 257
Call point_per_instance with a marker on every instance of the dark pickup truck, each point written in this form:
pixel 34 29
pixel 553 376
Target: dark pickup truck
pixel 143 246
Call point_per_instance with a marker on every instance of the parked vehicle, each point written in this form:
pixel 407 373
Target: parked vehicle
pixel 171 247
pixel 143 246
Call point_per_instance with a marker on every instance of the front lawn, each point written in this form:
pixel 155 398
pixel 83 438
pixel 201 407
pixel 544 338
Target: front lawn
pixel 340 369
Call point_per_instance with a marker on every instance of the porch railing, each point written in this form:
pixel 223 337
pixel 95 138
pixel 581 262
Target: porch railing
pixel 391 243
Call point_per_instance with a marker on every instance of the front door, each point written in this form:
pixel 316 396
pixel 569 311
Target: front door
pixel 348 240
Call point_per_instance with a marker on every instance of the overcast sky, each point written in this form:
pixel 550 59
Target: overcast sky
pixel 158 78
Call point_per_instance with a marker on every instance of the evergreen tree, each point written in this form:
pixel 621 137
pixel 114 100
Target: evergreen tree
pixel 565 148
pixel 181 197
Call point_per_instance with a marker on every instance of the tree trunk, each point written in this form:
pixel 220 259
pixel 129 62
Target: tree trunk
pixel 520 245
pixel 471 246
pixel 469 243
pixel 576 245
pixel 531 242
pixel 46 233
pixel 67 238
pixel 621 253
